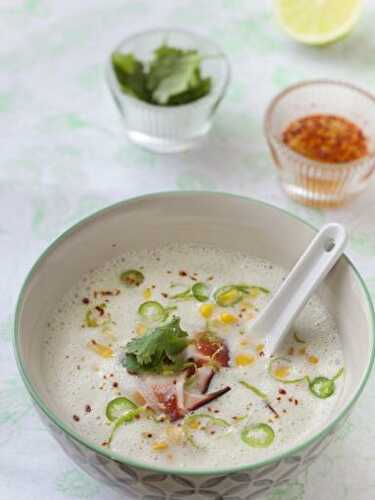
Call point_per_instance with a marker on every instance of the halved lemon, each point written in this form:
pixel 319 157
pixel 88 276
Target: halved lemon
pixel 317 22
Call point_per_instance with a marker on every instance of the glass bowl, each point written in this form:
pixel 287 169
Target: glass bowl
pixel 168 129
pixel 309 181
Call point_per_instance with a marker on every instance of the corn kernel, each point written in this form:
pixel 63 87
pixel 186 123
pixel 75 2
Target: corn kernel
pixel 227 318
pixel 313 360
pixel 194 424
pixel 281 372
pixel 140 329
pixel 102 350
pixel 159 446
pixel 244 359
pixel 138 398
pixel 147 294
pixel 206 310
pixel 227 298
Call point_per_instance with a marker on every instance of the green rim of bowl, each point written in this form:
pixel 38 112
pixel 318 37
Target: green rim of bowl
pixel 170 470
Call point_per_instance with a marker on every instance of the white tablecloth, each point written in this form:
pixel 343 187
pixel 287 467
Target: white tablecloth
pixel 63 154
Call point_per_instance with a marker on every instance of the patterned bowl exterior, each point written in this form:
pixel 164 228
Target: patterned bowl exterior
pixel 146 484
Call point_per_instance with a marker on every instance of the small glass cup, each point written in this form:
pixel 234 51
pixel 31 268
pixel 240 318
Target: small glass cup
pixel 168 129
pixel 309 181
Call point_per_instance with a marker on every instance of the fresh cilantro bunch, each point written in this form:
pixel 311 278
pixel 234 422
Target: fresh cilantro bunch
pixel 158 351
pixel 172 77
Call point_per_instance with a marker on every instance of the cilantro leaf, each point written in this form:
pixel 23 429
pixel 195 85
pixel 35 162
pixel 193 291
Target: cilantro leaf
pixel 173 76
pixel 131 75
pixel 157 350
pixel 172 71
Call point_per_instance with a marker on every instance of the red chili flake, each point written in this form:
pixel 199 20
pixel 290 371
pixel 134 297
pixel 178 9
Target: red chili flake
pixel 100 310
pixel 326 138
pixel 261 353
pixel 282 391
pixel 216 411
pixel 115 384
pixel 290 400
pixel 296 402
pixel 88 409
pixel 85 300
pixel 272 409
pixel 114 292
pixel 149 435
pixel 76 418
pixel 183 273
pixel 212 432
pixel 165 295
pixel 105 443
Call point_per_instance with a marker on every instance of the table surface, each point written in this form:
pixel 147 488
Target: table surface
pixel 64 155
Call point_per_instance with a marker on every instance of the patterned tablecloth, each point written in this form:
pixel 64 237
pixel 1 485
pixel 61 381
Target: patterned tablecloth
pixel 63 154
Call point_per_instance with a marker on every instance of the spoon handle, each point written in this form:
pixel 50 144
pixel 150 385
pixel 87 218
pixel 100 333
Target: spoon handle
pixel 275 320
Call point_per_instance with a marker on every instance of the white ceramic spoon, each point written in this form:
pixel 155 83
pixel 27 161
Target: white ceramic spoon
pixel 274 322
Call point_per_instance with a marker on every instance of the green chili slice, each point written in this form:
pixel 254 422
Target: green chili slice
pixel 230 295
pixel 252 290
pixel 185 294
pixel 200 292
pixel 255 390
pixel 298 339
pixel 258 435
pixel 227 296
pixel 132 278
pixel 273 371
pixel 96 316
pixel 127 418
pixel 323 387
pixel 338 374
pixel 118 407
pixel 152 311
pixel 188 424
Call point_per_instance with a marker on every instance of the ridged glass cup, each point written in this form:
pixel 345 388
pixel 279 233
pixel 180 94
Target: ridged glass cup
pixel 313 182
pixel 168 129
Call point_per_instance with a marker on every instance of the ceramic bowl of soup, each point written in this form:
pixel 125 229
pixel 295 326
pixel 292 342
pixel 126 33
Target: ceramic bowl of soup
pixel 133 338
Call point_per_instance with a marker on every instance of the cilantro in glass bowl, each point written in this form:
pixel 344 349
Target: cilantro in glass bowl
pixel 167 84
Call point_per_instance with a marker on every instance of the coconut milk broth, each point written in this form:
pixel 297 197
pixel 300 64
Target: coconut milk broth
pixel 81 382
